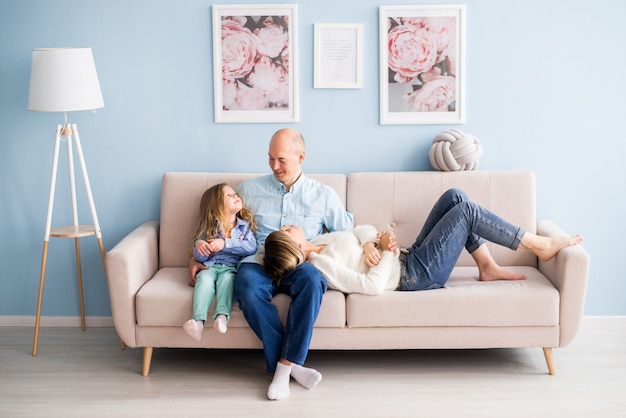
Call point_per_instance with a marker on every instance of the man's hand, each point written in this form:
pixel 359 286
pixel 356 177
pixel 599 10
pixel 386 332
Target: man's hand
pixel 194 268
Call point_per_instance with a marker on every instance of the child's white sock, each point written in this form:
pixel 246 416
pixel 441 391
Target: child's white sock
pixel 309 378
pixel 194 329
pixel 279 388
pixel 220 324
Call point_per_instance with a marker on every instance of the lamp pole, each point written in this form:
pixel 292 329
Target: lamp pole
pixel 63 80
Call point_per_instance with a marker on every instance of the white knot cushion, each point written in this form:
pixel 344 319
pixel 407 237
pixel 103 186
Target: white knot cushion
pixel 455 150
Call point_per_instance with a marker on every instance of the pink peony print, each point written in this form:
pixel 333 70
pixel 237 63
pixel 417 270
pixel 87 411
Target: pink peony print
pixel 249 98
pixel 239 49
pixel 229 92
pixel 255 62
pixel 270 78
pixel 411 52
pixel 272 39
pixel 436 95
pixel 422 55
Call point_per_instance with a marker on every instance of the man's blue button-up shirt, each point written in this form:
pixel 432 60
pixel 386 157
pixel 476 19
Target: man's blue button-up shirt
pixel 309 204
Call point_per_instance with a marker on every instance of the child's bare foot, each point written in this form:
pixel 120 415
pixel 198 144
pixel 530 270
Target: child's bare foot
pixel 547 247
pixel 495 272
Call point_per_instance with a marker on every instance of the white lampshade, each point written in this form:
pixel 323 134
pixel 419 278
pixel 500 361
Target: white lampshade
pixel 63 80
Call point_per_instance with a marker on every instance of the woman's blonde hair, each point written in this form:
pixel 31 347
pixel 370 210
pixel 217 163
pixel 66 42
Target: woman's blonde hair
pixel 213 215
pixel 282 255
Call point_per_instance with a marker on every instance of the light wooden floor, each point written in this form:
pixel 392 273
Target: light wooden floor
pixel 85 374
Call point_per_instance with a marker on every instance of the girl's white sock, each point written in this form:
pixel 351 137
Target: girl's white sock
pixel 194 329
pixel 220 324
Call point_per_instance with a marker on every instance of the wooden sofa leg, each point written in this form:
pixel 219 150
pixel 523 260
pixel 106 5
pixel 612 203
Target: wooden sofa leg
pixel 547 352
pixel 147 359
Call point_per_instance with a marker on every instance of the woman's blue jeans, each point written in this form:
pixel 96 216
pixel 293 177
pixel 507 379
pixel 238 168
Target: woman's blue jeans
pixel 254 291
pixel 454 223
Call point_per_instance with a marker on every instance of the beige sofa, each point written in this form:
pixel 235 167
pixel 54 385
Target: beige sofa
pixel 150 299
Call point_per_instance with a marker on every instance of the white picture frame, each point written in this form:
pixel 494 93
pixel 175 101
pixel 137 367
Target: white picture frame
pixel 338 56
pixel 255 63
pixel 427 87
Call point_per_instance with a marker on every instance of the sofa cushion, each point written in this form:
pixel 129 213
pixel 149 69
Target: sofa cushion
pixel 166 300
pixel 464 301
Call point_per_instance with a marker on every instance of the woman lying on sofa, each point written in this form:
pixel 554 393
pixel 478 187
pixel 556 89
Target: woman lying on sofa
pixel 454 223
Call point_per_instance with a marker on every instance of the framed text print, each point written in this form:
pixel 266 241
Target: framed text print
pixel 338 56
pixel 422 61
pixel 255 63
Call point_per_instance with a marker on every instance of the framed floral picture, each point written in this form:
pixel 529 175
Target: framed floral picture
pixel 255 63
pixel 422 64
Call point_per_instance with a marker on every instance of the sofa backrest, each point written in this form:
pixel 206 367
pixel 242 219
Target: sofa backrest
pixel 400 201
pixel 180 204
pixel 388 200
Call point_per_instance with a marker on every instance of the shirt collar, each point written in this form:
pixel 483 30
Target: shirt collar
pixel 295 185
pixel 239 223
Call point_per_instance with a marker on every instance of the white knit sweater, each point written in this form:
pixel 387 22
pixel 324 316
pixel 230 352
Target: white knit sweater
pixel 342 263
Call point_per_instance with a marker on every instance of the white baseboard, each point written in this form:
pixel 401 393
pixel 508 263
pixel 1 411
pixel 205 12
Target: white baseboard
pixel 604 320
pixel 55 321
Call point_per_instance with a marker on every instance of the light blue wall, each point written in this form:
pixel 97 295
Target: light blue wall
pixel 545 91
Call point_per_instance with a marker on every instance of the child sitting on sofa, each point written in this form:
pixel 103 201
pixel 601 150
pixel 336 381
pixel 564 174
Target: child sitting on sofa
pixel 225 235
pixel 454 223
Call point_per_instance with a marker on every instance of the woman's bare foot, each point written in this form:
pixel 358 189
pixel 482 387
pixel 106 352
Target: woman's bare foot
pixel 495 272
pixel 547 247
pixel 489 270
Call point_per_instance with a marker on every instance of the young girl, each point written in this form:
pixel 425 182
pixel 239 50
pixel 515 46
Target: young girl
pixel 225 235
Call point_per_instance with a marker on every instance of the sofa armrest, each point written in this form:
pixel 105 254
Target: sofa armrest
pixel 569 272
pixel 128 266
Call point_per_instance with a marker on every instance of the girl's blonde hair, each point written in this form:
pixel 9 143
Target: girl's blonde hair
pixel 282 255
pixel 213 215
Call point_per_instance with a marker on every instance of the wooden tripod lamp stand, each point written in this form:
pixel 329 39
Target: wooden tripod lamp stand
pixel 65 80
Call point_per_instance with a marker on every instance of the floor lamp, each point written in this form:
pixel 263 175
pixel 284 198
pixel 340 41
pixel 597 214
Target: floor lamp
pixel 65 80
